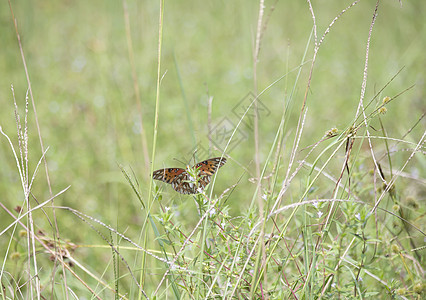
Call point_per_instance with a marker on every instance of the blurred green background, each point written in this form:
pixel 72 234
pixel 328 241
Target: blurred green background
pixel 78 61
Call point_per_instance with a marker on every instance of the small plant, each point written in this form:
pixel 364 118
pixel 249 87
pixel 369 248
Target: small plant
pixel 319 199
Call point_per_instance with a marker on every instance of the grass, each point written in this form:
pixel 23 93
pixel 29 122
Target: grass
pixel 338 145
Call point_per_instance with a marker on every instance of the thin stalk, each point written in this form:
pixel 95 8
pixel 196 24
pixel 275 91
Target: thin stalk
pixel 155 133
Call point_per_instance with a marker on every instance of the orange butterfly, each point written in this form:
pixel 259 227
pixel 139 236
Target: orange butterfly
pixel 182 181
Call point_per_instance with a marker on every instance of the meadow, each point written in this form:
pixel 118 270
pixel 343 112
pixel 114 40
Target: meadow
pixel 317 106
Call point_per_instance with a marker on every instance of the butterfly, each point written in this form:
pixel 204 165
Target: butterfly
pixel 183 182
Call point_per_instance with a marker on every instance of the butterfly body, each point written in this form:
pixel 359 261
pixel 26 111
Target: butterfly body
pixel 183 182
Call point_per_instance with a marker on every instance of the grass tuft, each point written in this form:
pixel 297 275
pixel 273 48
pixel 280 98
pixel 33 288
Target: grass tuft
pixel 322 195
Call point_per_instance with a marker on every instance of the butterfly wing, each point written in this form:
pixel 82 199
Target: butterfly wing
pixel 177 177
pixel 181 181
pixel 168 175
pixel 210 166
pixel 184 184
pixel 207 168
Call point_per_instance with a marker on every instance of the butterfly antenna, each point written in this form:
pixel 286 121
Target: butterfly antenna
pixel 178 160
pixel 194 156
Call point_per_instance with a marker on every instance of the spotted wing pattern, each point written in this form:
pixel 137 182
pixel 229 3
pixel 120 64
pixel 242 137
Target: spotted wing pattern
pixel 182 182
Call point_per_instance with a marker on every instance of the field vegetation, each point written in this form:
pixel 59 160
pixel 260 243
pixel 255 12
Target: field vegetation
pixel 318 107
